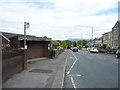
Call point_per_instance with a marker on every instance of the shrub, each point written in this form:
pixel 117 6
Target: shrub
pixel 108 49
pixel 104 46
pixel 56 46
pixel 80 47
pixel 100 47
pixel 86 46
pixel 119 46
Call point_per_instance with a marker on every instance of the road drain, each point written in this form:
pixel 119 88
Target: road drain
pixel 41 71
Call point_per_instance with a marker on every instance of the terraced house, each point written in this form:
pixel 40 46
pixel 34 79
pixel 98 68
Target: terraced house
pixel 112 38
pixel 116 34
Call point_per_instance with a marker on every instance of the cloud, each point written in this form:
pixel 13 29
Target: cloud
pixel 58 19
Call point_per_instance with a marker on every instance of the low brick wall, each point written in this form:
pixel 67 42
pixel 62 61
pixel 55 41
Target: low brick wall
pixel 55 52
pixel 13 64
pixel 58 52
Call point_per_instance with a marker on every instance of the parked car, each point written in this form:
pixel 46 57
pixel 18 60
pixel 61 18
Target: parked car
pixel 88 49
pixel 75 49
pixel 93 50
pixel 118 53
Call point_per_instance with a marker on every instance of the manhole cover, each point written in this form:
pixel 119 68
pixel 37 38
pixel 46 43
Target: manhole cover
pixel 41 71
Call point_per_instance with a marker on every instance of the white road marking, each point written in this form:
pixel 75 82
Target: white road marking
pixel 71 76
pixel 73 83
pixel 116 62
pixel 71 57
pixel 78 75
pixel 72 64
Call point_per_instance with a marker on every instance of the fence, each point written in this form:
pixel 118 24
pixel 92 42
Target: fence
pixel 13 61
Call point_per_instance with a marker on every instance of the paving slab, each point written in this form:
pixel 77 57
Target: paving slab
pixel 40 73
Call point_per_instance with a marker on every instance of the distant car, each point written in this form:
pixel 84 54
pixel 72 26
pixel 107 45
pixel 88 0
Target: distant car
pixel 71 49
pixel 93 50
pixel 118 53
pixel 75 49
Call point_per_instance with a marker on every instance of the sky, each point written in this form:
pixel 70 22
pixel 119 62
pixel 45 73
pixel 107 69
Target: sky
pixel 59 19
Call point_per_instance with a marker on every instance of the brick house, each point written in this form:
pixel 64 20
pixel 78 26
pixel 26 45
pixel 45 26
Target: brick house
pixel 5 42
pixel 36 46
pixel 6 38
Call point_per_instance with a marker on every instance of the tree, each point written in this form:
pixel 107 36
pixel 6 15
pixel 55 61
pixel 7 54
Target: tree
pixel 80 47
pixel 74 44
pixel 104 46
pixel 79 42
pixel 68 43
pixel 63 44
pixel 59 41
pixel 86 46
pixel 45 36
pixel 56 46
pixel 83 42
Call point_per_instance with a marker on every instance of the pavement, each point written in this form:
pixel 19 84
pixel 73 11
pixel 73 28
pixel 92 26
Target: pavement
pixel 91 70
pixel 40 73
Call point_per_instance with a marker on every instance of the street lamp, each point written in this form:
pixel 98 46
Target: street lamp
pixel 26 25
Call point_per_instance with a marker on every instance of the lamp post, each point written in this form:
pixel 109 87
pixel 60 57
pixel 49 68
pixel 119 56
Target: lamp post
pixel 26 25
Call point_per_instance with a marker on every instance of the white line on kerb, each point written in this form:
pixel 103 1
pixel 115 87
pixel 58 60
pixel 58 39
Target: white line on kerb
pixel 73 82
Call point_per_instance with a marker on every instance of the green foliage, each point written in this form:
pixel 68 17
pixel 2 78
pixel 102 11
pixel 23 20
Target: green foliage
pixel 56 46
pixel 74 44
pixel 86 46
pixel 79 47
pixel 68 44
pixel 59 41
pixel 79 42
pixel 63 44
pixel 104 46
pixel 83 42
pixel 108 49
pixel 100 47
pixel 119 46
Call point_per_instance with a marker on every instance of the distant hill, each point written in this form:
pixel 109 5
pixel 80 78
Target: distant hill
pixel 77 39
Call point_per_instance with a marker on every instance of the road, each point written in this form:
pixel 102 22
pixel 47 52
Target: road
pixel 90 70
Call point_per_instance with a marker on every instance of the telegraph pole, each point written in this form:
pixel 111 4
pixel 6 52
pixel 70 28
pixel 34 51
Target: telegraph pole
pixel 81 42
pixel 92 36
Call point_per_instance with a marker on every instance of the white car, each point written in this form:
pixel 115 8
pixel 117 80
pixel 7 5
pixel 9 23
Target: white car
pixel 94 50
